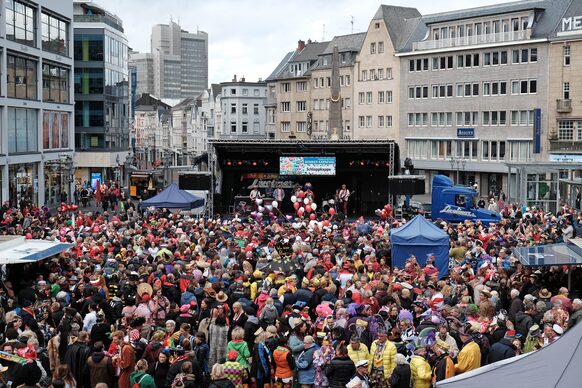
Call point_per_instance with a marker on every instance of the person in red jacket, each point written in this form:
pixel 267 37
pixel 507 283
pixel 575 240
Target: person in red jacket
pixel 284 364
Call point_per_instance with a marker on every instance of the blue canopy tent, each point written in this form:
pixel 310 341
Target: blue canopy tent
pixel 174 198
pixel 420 238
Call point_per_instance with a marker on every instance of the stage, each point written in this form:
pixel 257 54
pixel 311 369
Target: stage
pixel 363 165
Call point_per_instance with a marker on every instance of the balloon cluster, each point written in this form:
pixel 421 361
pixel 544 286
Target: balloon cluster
pixel 265 211
pixel 385 212
pixel 65 208
pixel 304 205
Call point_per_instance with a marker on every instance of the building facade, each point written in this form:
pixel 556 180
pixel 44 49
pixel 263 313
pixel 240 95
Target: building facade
pixel 36 102
pixel 102 104
pixel 153 123
pixel 180 62
pixel 242 112
pixel 144 69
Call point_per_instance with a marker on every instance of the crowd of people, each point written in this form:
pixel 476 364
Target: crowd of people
pixel 152 298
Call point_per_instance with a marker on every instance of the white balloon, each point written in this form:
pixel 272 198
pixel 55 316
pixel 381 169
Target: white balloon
pixel 293 199
pixel 275 204
pixel 314 206
pixel 269 207
pixel 259 201
pixel 306 201
pixel 301 209
pixel 261 209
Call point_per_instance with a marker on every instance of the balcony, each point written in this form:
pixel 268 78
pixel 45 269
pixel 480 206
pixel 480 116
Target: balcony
pixel 564 106
pixel 565 146
pixel 474 40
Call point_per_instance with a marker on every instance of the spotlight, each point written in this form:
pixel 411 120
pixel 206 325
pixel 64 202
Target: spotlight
pixel 239 163
pixel 254 163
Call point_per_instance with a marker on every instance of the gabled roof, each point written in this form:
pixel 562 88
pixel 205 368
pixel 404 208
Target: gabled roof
pixel 282 65
pixel 310 52
pixel 216 90
pixel 183 104
pixel 488 10
pixel 396 20
pixel 147 100
pixel 351 42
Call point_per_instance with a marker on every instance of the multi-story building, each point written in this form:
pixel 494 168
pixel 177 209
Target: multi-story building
pixel 473 83
pixel 243 109
pixel 272 127
pixel 180 62
pixel 36 101
pixel 293 85
pixel 376 87
pixel 144 68
pixel 102 105
pixel 348 47
pixel 153 123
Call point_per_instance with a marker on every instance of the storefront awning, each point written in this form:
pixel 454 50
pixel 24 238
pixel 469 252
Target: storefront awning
pixel 18 250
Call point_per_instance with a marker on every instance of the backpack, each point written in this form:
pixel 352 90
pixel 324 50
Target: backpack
pixel 137 383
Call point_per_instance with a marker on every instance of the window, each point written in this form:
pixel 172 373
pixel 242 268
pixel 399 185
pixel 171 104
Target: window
pixel 361 121
pixel 515 56
pixel 487 59
pixel 373 75
pixel 368 97
pixel 369 121
pixel 389 97
pixel 411 65
pixel 245 92
pixel 55 83
pixel 373 48
pixel 566 130
pixel 285 126
pixel 22 130
pixel 255 109
pixel 380 97
pixel 347 78
pixel 364 75
pixel 380 73
pixel 514 87
pixel 533 55
pixel 388 73
pixel 285 106
pixel 55 34
pixel 286 87
pixel 233 108
pixel 566 52
pixel 380 47
pixel 347 102
pixel 20 23
pixel 301 126
pixel 380 121
pixel 533 86
pixel 361 98
pixel 347 125
pixel 21 78
pixel 89 47
pixel 376 25
pixel 245 127
pixel 245 109
pixel 301 106
pixel 55 126
pixel 256 92
pixel 232 92
pixel 503 57
pixel 566 90
pixel 301 86
pixel 389 121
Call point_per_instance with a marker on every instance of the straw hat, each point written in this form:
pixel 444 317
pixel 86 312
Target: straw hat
pixel 144 288
pixel 221 297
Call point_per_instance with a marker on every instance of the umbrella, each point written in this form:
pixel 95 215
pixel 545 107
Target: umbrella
pixel 164 251
pixel 283 264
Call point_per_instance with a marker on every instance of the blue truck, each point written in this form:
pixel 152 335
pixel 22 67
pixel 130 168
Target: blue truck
pixel 456 203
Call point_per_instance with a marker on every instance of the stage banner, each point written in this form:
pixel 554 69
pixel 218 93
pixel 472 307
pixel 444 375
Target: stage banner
pixel 307 165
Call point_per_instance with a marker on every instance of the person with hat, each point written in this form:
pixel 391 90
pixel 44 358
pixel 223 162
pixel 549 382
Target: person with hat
pixel 420 371
pixel 504 348
pixel 382 359
pixel 444 366
pixel 534 340
pixel 469 357
pixel 360 379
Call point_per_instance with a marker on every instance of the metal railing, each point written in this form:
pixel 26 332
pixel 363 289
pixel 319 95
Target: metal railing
pixel 473 40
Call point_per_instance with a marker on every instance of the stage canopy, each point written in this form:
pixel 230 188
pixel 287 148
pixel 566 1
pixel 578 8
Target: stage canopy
pixel 18 250
pixel 556 365
pixel 420 238
pixel 174 198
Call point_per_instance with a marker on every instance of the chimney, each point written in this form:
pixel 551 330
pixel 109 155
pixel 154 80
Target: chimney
pixel 300 45
pixel 234 78
pixel 242 78
pixel 308 41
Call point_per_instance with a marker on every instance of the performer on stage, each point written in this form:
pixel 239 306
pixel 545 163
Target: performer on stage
pixel 343 199
pixel 255 193
pixel 308 188
pixel 279 193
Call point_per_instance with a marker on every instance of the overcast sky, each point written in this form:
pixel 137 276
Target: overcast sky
pixel 250 37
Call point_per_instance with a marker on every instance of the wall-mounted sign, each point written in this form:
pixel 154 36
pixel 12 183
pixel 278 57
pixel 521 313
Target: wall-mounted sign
pixel 572 23
pixel 465 132
pixel 566 158
pixel 537 131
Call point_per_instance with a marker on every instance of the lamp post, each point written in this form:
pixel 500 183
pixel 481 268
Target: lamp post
pixel 129 162
pixel 67 173
pixel 456 164
pixel 166 160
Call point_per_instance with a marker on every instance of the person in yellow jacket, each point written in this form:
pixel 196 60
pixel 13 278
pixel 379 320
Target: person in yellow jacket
pixel 382 359
pixel 420 372
pixel 357 350
pixel 469 357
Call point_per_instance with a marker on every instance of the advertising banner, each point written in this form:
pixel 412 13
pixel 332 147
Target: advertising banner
pixel 307 165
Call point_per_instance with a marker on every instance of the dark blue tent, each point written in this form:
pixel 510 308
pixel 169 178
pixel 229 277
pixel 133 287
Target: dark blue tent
pixel 419 237
pixel 174 198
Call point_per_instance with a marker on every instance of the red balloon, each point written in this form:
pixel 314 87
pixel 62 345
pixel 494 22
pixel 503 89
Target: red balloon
pixel 74 207
pixel 312 216
pixel 300 212
pixel 332 211
pixel 387 207
pixel 301 194
pixel 296 205
pixel 325 223
pixel 308 208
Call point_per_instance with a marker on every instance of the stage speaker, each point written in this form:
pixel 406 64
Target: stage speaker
pixel 407 186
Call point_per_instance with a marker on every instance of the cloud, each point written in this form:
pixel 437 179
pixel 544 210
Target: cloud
pixel 251 37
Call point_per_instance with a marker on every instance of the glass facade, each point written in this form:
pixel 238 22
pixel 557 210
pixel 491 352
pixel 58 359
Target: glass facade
pixel 89 80
pixel 55 34
pixel 53 181
pixel 23 184
pixel 116 52
pixel 20 23
pixel 88 47
pixel 89 114
pixel 55 130
pixel 55 83
pixel 22 130
pixel 21 77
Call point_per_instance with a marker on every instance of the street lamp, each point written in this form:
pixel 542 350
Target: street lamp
pixel 456 164
pixel 67 172
pixel 129 162
pixel 166 160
